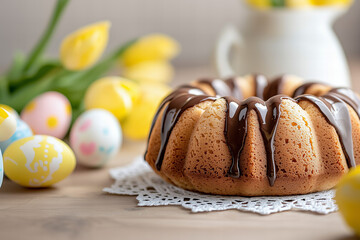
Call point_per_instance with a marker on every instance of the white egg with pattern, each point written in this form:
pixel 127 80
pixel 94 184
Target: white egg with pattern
pixel 95 137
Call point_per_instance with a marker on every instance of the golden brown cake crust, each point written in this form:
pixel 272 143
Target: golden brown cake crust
pixel 307 149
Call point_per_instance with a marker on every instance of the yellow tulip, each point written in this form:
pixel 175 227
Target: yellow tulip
pixel 155 47
pixel 330 2
pixel 137 125
pixel 84 47
pixel 114 94
pixel 262 4
pixel 150 71
pixel 298 3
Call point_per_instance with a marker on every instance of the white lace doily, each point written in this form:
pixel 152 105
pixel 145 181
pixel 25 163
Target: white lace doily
pixel 139 179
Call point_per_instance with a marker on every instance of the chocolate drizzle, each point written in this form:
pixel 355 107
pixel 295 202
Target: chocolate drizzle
pixel 268 114
pixel 337 114
pixel 275 87
pixel 348 96
pixel 182 90
pixel 333 106
pixel 172 113
pixel 224 88
pixel 303 89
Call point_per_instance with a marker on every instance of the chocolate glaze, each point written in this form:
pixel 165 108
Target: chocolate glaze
pixel 303 89
pixel 172 113
pixel 182 90
pixel 228 87
pixel 337 114
pixel 348 96
pixel 275 87
pixel 332 106
pixel 236 127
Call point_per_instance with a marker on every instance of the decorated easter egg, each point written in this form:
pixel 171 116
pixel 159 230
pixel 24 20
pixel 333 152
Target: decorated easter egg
pixel 348 198
pixel 115 94
pixel 22 131
pixel 10 110
pixel 137 125
pixel 1 169
pixel 38 161
pixel 48 114
pixel 95 137
pixel 7 124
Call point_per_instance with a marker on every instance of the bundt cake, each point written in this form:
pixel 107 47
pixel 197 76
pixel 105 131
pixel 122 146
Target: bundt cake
pixel 251 137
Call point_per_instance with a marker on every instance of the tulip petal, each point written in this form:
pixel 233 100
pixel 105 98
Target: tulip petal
pixel 85 46
pixel 150 71
pixel 155 47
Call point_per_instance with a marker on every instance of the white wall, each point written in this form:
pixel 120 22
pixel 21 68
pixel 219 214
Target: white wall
pixel 195 23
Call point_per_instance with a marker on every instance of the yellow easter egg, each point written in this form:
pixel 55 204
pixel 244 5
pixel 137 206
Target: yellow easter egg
pixel 348 199
pixel 7 124
pixel 10 110
pixel 114 94
pixel 38 161
pixel 137 125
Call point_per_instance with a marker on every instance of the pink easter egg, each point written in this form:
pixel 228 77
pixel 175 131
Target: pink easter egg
pixel 48 114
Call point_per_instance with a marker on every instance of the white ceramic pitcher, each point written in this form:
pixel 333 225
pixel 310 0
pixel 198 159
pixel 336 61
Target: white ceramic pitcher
pixel 279 41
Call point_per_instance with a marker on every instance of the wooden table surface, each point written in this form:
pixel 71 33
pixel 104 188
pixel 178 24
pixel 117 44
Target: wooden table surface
pixel 76 208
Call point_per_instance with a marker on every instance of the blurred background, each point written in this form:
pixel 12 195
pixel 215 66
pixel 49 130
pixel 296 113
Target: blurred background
pixel 195 24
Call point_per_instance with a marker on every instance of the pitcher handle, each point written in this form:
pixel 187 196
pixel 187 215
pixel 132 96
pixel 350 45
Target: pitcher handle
pixel 229 38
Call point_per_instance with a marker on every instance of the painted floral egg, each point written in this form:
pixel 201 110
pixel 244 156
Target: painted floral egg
pixel 1 169
pixel 22 131
pixel 95 137
pixel 38 161
pixel 7 124
pixel 48 114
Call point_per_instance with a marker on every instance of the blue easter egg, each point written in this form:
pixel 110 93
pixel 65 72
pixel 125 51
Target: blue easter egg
pixel 22 131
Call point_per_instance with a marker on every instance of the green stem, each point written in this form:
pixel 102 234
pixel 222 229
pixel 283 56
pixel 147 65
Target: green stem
pixel 23 95
pixel 278 3
pixel 44 40
pixel 16 66
pixel 85 78
pixel 4 89
pixel 43 70
pixel 72 84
